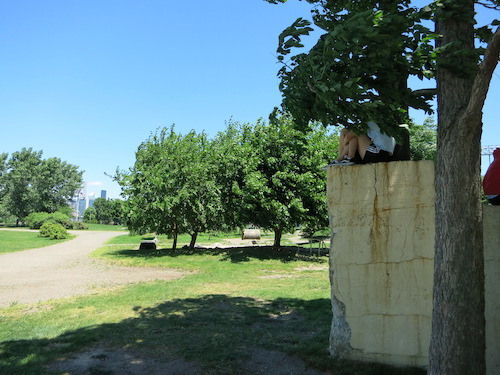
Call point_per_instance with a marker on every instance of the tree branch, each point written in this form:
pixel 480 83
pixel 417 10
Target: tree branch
pixel 425 92
pixel 489 6
pixel 484 75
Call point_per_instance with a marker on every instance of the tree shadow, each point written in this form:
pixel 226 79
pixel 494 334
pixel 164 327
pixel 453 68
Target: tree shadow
pixel 235 254
pixel 212 334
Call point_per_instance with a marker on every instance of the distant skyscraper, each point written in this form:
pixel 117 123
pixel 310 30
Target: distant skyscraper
pixel 81 208
pixel 90 200
pixel 103 194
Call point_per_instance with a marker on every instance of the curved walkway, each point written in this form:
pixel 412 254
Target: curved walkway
pixel 65 270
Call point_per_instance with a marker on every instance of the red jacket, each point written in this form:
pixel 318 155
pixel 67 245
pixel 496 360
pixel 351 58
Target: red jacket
pixel 491 181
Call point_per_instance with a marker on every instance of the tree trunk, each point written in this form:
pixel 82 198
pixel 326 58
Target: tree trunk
pixel 174 243
pixel 194 236
pixel 277 237
pixel 458 336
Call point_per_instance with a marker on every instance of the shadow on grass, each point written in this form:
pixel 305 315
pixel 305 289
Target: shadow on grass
pixel 213 334
pixel 232 254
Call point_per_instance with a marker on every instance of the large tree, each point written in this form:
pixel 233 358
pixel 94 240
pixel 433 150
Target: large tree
pixel 171 189
pixel 357 72
pixel 458 331
pixel 56 182
pixel 284 183
pixel 32 184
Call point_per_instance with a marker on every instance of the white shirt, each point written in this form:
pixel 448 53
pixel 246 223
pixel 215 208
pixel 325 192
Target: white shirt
pixel 379 139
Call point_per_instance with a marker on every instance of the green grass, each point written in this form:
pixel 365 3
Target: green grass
pixel 230 301
pixel 183 239
pixel 105 227
pixel 207 239
pixel 17 240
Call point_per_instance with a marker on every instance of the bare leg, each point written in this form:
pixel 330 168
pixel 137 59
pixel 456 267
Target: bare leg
pixel 343 144
pixel 363 142
pixel 352 147
pixel 348 144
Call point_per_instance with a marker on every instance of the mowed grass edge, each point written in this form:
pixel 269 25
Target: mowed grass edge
pixel 19 240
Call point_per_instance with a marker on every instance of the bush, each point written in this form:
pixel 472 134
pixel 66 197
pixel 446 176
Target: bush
pixel 60 218
pixel 36 219
pixel 76 225
pixel 54 231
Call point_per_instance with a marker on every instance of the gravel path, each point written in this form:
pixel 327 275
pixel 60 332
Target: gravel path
pixel 65 270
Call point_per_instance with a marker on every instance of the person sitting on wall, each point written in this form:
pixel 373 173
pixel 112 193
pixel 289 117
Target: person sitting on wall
pixel 348 146
pixel 373 147
pixel 491 181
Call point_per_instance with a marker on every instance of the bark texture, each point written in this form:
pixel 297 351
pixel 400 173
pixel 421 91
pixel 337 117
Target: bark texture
pixel 278 232
pixel 458 327
pixel 194 237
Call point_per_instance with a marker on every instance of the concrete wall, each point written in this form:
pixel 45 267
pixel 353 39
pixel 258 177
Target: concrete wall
pixel 382 220
pixel 491 225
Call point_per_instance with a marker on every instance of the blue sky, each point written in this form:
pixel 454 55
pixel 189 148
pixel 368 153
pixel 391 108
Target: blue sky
pixel 88 81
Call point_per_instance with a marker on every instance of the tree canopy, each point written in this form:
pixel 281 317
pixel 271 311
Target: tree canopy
pixel 284 187
pixel 359 67
pixel 267 175
pixel 29 183
pixel 171 189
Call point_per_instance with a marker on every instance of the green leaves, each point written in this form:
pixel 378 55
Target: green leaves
pixel 290 37
pixel 32 184
pixel 108 210
pixel 358 69
pixel 171 189
pixel 285 186
pixel 266 175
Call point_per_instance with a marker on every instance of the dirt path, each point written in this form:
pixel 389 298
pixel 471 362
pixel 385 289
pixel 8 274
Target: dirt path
pixel 65 270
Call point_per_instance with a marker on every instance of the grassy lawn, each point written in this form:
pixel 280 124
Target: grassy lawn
pixel 17 240
pixel 230 302
pixel 105 227
pixel 204 239
pixel 208 239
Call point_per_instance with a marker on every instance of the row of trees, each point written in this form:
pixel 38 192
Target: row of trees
pixel 243 159
pixel 29 183
pixel 268 175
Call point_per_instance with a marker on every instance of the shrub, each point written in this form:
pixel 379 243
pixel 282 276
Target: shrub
pixel 54 231
pixel 36 219
pixel 60 218
pixel 76 225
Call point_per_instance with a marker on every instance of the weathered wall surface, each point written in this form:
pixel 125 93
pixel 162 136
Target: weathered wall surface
pixel 491 225
pixel 382 220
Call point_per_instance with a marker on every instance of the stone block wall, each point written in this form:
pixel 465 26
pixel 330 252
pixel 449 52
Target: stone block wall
pixel 381 262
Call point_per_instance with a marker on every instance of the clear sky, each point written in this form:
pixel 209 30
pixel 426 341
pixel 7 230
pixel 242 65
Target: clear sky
pixel 88 81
